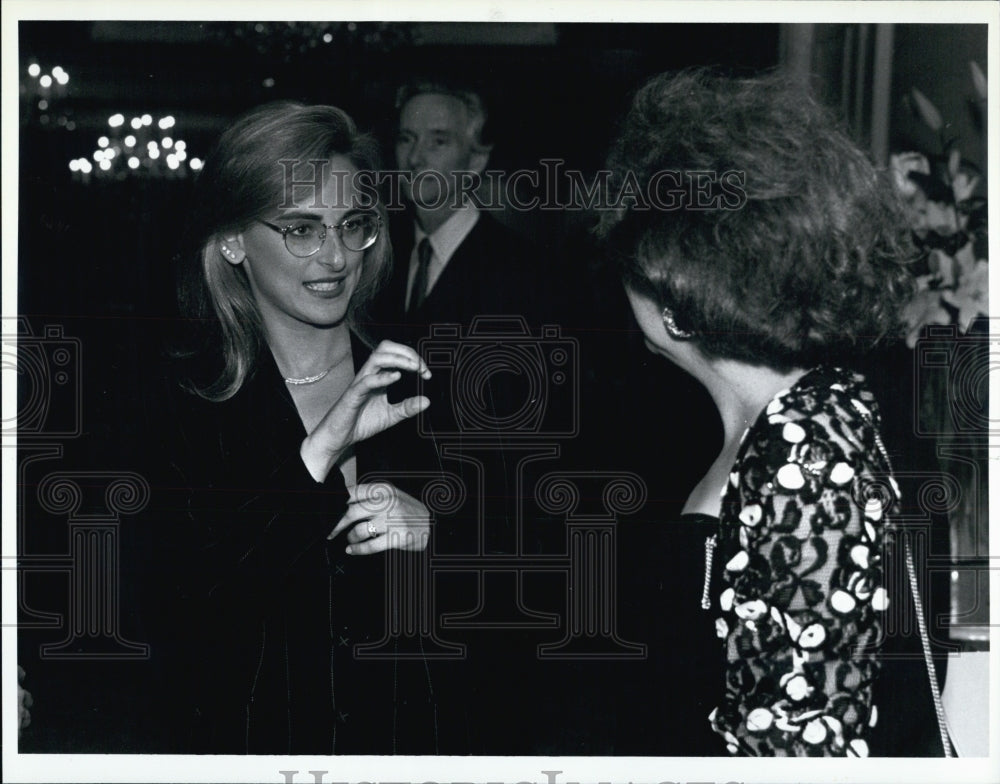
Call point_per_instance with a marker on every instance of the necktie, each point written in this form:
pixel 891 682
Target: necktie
pixel 419 292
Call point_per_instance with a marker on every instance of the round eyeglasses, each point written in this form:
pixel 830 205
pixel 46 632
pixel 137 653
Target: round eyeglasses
pixel 305 236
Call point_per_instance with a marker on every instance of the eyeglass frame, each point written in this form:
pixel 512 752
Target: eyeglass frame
pixel 338 229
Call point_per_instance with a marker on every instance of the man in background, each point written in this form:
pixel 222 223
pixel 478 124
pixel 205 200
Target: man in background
pixel 457 268
pixel 454 261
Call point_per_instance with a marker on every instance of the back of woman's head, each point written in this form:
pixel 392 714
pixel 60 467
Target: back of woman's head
pixel 782 245
pixel 246 176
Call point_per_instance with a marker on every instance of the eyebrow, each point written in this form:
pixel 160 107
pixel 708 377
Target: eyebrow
pixel 299 214
pixel 303 215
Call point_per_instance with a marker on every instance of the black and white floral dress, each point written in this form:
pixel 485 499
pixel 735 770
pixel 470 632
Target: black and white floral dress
pixel 801 595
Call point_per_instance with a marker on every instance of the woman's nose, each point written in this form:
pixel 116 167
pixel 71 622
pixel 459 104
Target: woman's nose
pixel 333 253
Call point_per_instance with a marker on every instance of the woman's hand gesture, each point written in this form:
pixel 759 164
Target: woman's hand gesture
pixel 364 409
pixel 381 517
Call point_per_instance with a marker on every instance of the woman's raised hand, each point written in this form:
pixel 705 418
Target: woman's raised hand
pixel 364 409
pixel 380 517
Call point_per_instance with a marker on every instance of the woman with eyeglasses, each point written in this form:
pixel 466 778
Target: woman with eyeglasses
pixel 767 256
pixel 271 580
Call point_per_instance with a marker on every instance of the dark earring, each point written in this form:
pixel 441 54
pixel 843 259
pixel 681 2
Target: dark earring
pixel 671 326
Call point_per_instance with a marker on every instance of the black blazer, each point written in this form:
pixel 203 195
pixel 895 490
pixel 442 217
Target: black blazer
pixel 494 272
pixel 253 616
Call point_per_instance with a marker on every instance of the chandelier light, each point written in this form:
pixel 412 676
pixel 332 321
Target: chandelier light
pixel 141 146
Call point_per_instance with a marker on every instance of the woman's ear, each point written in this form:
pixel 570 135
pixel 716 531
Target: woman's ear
pixel 232 250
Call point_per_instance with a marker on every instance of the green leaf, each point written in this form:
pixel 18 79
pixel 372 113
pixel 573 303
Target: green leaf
pixel 928 111
pixel 978 79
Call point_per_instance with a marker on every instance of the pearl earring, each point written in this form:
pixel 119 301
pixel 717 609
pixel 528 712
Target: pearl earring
pixel 671 326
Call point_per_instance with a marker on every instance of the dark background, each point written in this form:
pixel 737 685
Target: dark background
pixel 95 257
pixel 558 97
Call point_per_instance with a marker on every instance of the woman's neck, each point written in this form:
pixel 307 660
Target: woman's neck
pixel 300 353
pixel 740 392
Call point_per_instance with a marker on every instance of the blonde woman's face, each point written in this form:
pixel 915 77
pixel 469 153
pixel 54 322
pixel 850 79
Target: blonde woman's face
pixel 315 290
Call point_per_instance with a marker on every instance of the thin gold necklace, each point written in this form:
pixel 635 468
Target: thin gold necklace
pixel 318 377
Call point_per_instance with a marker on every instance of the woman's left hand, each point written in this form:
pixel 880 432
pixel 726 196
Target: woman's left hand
pixel 381 517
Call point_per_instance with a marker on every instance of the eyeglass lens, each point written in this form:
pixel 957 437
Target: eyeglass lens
pixel 306 237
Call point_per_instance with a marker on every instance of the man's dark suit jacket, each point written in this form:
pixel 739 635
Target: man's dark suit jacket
pixel 493 272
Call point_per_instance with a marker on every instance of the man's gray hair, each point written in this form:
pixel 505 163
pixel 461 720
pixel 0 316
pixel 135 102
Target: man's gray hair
pixel 472 101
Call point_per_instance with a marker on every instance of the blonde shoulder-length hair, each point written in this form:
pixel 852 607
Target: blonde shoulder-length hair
pixel 243 178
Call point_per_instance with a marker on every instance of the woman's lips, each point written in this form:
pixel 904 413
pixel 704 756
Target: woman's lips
pixel 327 287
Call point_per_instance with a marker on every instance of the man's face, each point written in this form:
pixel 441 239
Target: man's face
pixel 432 143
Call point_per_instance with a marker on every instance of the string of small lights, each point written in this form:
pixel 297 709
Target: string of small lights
pixel 140 147
pixel 44 92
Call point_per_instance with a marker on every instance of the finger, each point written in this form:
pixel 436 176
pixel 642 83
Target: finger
pixel 358 492
pixel 382 378
pixel 406 409
pixel 392 347
pixel 409 539
pixel 397 355
pixel 354 514
pixel 378 544
pixel 399 362
pixel 365 530
pixel 379 492
pixel 363 386
pixel 414 405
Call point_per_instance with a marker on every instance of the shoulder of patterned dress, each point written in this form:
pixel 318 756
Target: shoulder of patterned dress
pixel 818 434
pixel 842 394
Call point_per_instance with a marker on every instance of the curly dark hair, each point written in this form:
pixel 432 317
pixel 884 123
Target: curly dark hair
pixel 810 262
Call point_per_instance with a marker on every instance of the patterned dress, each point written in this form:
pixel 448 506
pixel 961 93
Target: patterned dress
pixel 802 599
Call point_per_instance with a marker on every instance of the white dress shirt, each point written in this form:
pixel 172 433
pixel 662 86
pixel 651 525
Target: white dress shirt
pixel 444 242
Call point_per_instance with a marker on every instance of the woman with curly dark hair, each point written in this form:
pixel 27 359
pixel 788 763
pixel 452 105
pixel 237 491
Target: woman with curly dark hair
pixel 761 252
